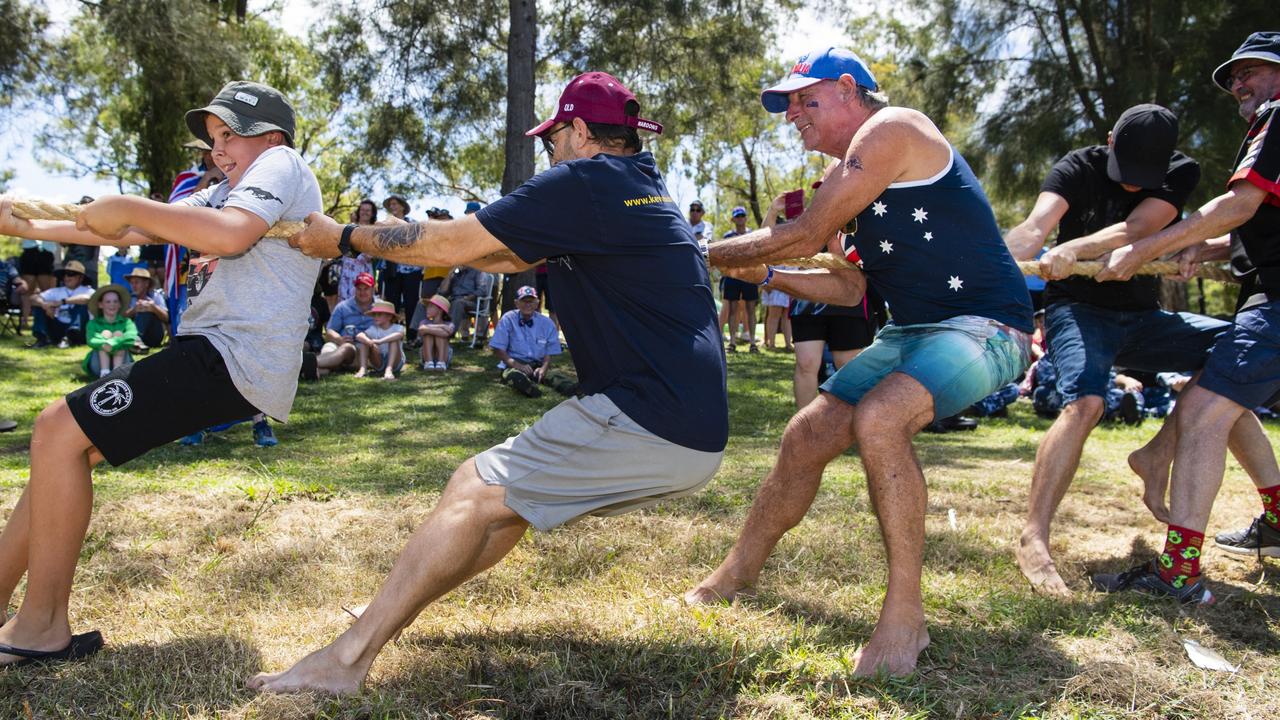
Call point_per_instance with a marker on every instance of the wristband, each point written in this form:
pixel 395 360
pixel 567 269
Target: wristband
pixel 768 276
pixel 344 243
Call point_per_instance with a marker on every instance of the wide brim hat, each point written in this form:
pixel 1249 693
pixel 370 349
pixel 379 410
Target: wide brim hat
pixel 140 272
pixel 386 203
pixel 1258 46
pixel 121 291
pixel 250 109
pixel 441 302
pixel 382 306
pixel 74 266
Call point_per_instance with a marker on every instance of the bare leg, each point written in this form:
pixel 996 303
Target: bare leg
pixel 749 315
pixel 887 418
pixel 786 328
pixel 362 351
pixel 468 532
pixel 13 551
pixel 808 360
pixel 1056 461
pixel 1201 456
pixel 333 356
pixel 816 435
pixel 59 498
pixel 393 359
pixel 772 317
pixel 117 360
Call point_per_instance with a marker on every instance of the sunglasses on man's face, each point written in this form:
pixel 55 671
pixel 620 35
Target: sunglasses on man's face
pixel 547 145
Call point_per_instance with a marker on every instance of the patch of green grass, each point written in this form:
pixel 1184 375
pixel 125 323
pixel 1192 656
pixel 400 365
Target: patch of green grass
pixel 205 565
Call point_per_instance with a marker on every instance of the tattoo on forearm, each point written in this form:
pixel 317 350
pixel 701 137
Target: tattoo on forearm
pixel 853 163
pixel 396 236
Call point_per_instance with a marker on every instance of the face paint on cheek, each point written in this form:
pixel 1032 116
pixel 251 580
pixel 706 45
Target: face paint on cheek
pixel 811 104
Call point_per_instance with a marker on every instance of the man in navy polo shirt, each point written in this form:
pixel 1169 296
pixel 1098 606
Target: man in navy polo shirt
pixel 928 243
pixel 653 418
pixel 1243 370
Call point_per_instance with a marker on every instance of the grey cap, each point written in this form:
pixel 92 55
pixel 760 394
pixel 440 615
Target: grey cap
pixel 249 109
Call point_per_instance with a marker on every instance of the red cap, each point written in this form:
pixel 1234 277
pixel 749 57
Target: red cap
pixel 598 97
pixel 364 279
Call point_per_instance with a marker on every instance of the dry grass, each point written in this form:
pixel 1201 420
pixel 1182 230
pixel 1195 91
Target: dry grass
pixel 205 566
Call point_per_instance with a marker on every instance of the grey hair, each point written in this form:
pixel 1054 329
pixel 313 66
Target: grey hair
pixel 871 99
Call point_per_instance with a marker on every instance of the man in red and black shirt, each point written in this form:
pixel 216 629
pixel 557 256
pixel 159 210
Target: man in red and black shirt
pixel 1243 370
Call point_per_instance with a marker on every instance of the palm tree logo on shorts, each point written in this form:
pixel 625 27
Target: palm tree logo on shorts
pixel 111 397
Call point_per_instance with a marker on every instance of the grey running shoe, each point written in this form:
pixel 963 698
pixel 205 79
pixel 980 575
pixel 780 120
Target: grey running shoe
pixel 1259 539
pixel 1144 579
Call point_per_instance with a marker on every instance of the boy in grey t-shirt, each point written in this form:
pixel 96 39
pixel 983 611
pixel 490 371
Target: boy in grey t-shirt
pixel 238 352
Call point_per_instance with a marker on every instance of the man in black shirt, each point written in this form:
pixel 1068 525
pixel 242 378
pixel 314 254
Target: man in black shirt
pixel 1243 370
pixel 1102 198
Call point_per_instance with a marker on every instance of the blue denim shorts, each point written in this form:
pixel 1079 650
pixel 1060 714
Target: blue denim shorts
pixel 959 361
pixel 1085 341
pixel 1244 366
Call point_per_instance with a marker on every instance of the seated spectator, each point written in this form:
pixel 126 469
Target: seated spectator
pixel 381 345
pixel 434 331
pixel 147 308
pixel 1124 399
pixel 35 267
pixel 525 340
pixel 12 286
pixel 348 320
pixel 64 316
pixel 110 334
pixel 464 286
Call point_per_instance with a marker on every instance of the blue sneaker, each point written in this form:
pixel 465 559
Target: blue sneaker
pixel 262 435
pixel 195 438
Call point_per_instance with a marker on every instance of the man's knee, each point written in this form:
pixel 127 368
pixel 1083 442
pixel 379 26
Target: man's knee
pixel 469 497
pixel 55 425
pixel 1085 409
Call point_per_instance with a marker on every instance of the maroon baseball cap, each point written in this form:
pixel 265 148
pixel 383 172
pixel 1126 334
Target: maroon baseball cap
pixel 598 97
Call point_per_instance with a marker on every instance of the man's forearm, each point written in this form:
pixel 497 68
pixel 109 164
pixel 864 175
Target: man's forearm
pixel 766 245
pixel 1024 241
pixel 1109 238
pixel 1219 216
pixel 836 287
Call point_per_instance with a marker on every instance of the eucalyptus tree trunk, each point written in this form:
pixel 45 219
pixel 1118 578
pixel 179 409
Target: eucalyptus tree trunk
pixel 521 45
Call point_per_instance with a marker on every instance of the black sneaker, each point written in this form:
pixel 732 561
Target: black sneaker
pixel 955 423
pixel 1144 579
pixel 524 384
pixel 1259 539
pixel 1130 414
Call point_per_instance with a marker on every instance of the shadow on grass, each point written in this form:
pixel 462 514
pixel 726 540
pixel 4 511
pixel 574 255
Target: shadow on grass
pixel 180 678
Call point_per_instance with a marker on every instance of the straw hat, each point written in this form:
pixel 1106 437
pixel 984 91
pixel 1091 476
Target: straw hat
pixel 383 306
pixel 441 302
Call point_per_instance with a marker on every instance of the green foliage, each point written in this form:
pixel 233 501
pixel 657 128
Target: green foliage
pixel 22 45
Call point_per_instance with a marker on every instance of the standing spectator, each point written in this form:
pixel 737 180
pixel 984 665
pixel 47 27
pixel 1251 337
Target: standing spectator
pixel 366 214
pixel 741 297
pixel 350 317
pixel 110 335
pixel 401 283
pixel 381 345
pixel 434 332
pixel 86 255
pixel 701 230
pixel 525 340
pixel 35 267
pixel 63 318
pixel 147 308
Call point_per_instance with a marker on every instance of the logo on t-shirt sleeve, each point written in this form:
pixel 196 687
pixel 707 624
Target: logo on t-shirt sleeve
pixel 261 194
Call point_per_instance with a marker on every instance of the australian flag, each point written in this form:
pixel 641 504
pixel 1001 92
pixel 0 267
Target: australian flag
pixel 175 256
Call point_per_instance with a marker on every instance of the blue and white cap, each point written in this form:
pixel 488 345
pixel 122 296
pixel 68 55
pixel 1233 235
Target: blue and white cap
pixel 813 67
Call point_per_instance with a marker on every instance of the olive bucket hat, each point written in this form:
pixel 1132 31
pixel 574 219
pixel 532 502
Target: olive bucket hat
pixel 249 109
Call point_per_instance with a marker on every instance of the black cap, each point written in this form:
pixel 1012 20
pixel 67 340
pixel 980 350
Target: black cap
pixel 695 205
pixel 1142 143
pixel 249 109
pixel 1260 46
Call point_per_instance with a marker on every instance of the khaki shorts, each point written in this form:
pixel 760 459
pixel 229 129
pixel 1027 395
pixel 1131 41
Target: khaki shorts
pixel 586 457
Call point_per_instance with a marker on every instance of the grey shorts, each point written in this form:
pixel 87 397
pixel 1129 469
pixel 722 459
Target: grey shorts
pixel 586 457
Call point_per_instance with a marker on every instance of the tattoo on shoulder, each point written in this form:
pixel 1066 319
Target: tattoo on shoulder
pixel 853 163
pixel 396 236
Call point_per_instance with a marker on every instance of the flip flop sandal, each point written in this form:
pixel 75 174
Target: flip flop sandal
pixel 80 647
pixel 8 425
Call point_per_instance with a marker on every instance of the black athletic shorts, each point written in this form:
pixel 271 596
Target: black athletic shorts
pixel 152 255
pixel 35 261
pixel 841 332
pixel 735 289
pixel 160 398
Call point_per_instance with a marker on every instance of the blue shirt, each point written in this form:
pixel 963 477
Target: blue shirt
pixel 527 343
pixel 632 291
pixel 932 249
pixel 346 313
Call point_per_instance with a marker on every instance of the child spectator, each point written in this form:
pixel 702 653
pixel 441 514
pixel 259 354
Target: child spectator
pixel 110 334
pixel 382 343
pixel 63 318
pixel 435 331
pixel 147 308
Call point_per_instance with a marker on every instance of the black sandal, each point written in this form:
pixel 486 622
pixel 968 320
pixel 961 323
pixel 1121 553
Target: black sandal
pixel 80 647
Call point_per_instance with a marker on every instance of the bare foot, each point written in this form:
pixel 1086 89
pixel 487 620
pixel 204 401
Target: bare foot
pixel 361 372
pixel 321 671
pixel 44 639
pixel 717 588
pixel 1154 472
pixel 1038 568
pixel 893 648
pixel 389 376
